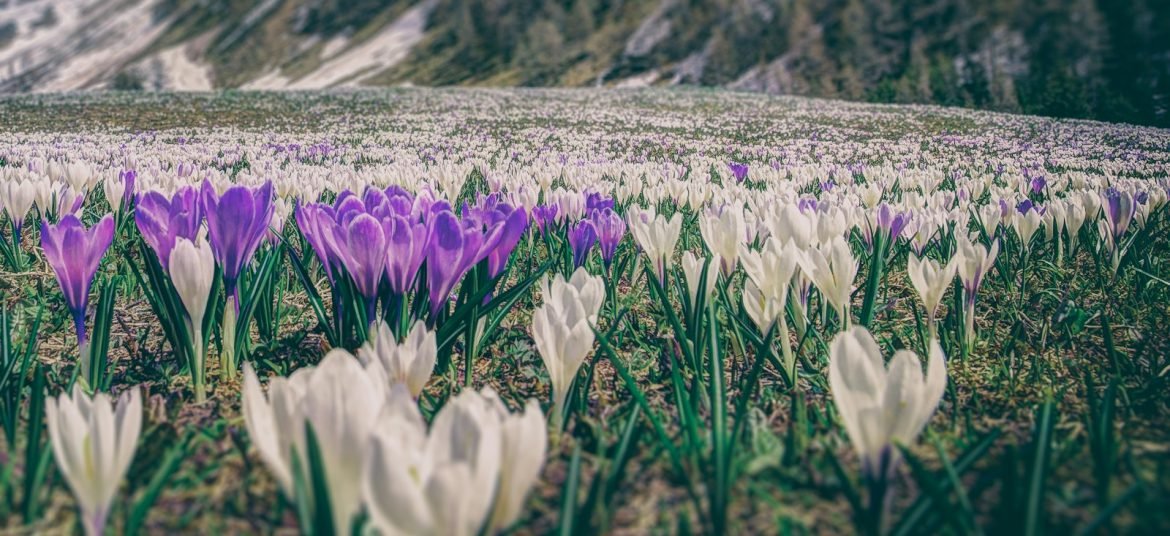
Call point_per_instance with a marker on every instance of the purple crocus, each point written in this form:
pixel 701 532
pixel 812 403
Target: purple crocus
pixel 739 171
pixel 74 254
pixel 610 229
pixel 162 220
pixel 452 249
pixel 316 223
pixel 1119 212
pixel 407 241
pixel 1038 184
pixel 582 236
pixel 502 225
pixel 596 201
pixel 362 250
pixel 544 216
pixel 236 224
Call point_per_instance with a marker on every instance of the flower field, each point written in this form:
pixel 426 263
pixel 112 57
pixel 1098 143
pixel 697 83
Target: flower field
pixel 462 312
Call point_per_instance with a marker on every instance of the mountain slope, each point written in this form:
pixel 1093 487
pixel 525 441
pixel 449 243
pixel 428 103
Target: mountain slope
pixel 1078 58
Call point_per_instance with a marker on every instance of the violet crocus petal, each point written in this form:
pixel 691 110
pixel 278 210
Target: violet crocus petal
pixel 512 230
pixel 581 239
pixel 446 252
pixel 404 253
pixel 309 219
pixel 366 261
pixel 152 217
pixel 75 254
pixel 236 224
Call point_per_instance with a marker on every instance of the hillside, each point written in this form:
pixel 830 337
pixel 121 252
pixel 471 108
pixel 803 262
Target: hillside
pixel 1074 58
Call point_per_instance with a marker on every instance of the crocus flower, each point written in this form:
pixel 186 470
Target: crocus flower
pixel 739 171
pixel 192 270
pixel 610 229
pixel 362 249
pixel 341 401
pixel 162 220
pixel 17 197
pixel 931 281
pixel 882 405
pixel 723 233
pixel 74 254
pixel 236 224
pixel 657 236
pixel 597 201
pixel 452 250
pixel 467 476
pixel 409 363
pixel 93 443
pixel 832 268
pixel 119 190
pixel 405 252
pixel 1119 209
pixel 544 216
pixel 563 332
pixel 317 224
pixel 973 261
pixel 582 236
pixel 692 266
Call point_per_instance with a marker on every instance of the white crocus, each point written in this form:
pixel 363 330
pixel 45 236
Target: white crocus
pixel 657 237
pixel 931 281
pixel 563 332
pixel 409 363
pixel 275 423
pixel 588 288
pixel 1026 226
pixel 93 444
pixel 524 443
pixel 832 268
pixel 114 188
pixel 723 234
pixel 973 262
pixel 766 290
pixel 192 270
pixel 17 198
pixel 341 402
pixel 441 484
pixel 692 266
pixel 882 405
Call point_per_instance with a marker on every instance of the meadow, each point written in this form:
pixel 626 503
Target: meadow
pixel 462 312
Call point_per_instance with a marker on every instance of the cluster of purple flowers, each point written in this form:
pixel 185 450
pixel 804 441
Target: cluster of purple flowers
pixel 603 226
pixel 383 238
pixel 237 222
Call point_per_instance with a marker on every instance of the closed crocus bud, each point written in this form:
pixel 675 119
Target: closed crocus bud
pixel 973 261
pixel 524 442
pixel 93 443
pixel 561 328
pixel 882 405
pixel 692 266
pixel 931 280
pixel 192 269
pixel 1026 224
pixel 409 363
pixel 275 422
pixel 342 402
pixel 114 188
pixel 723 234
pixel 17 198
